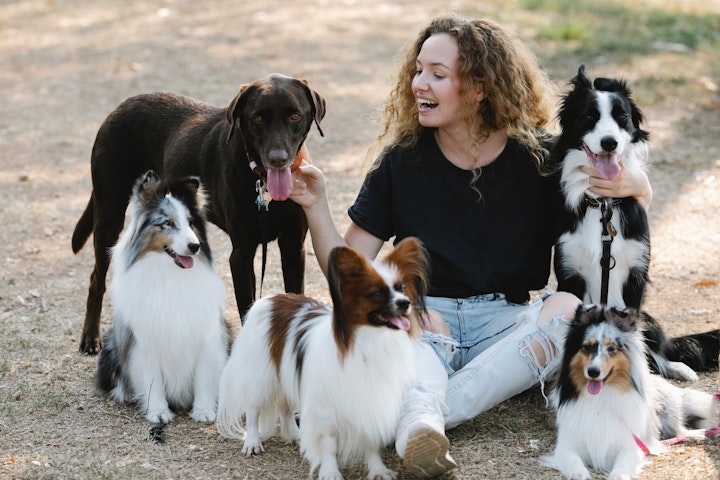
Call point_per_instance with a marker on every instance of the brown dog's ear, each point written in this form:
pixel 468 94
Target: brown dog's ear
pixel 230 112
pixel 318 103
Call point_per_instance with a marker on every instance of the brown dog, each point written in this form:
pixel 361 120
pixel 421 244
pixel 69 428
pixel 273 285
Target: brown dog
pixel 242 154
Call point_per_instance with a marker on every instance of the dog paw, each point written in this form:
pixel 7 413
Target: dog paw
pixel 252 448
pixel 330 474
pixel 619 476
pixel 579 475
pixel 680 371
pixel 156 416
pixel 200 414
pixel 90 345
pixel 384 474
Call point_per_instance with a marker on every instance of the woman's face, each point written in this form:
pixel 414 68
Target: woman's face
pixel 436 84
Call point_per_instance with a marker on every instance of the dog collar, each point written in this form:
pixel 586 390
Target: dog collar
pixel 257 168
pixel 593 202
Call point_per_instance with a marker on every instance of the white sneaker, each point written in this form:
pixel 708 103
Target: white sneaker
pixel 426 451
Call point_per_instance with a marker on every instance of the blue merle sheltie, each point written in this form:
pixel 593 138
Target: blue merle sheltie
pixel 611 410
pixel 603 250
pixel 169 341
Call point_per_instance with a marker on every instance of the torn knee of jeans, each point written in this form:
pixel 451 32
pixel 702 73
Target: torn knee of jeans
pixel 441 342
pixel 540 351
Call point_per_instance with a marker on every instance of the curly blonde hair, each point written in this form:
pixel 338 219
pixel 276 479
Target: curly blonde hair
pixel 518 93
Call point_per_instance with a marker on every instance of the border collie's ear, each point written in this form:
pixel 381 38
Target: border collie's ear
pixel 580 80
pixel 581 71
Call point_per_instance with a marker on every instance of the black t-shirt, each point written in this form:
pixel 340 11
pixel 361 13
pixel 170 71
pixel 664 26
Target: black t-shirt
pixel 498 241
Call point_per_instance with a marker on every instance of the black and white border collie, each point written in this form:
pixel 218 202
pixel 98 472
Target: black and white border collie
pixel 601 129
pixel 611 411
pixel 343 368
pixel 168 343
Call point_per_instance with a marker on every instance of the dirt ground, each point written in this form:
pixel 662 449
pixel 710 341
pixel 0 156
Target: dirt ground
pixel 64 65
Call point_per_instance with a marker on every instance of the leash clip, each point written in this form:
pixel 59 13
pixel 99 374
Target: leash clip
pixel 263 198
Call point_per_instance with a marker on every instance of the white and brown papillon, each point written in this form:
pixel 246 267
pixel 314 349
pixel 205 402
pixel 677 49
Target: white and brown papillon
pixel 611 410
pixel 168 343
pixel 344 369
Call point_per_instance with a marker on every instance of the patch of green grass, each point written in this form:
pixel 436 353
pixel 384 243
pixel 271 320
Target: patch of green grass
pixel 569 31
pixel 592 28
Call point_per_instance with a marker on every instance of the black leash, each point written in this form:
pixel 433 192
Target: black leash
pixel 607 262
pixel 262 200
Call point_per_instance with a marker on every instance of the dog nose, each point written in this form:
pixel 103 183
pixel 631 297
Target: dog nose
pixel 277 157
pixel 608 144
pixel 193 247
pixel 402 304
pixel 593 372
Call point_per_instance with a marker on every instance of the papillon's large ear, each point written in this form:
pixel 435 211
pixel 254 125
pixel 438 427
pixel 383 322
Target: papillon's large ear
pixel 412 260
pixel 346 268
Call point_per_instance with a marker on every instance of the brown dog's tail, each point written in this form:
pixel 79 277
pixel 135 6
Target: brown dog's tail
pixel 84 226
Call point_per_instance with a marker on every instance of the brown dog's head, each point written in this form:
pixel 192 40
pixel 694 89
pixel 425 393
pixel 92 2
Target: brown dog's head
pixel 274 115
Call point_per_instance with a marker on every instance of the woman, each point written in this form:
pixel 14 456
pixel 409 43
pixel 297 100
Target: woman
pixel 463 168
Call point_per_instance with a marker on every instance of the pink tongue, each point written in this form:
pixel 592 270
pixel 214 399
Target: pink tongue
pixel 607 165
pixel 594 386
pixel 184 262
pixel 401 323
pixel 279 183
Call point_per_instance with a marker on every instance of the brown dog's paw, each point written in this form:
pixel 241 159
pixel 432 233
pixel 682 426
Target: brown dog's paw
pixel 90 345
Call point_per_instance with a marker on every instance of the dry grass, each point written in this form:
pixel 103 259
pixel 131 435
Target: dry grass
pixel 64 65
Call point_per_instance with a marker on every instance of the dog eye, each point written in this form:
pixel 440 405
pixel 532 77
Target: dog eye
pixel 170 223
pixel 295 117
pixel 399 287
pixel 588 347
pixel 257 119
pixel 377 294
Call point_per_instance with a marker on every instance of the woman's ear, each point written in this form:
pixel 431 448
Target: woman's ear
pixel 479 92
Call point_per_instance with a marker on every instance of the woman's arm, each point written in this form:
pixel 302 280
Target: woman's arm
pixel 623 185
pixel 309 192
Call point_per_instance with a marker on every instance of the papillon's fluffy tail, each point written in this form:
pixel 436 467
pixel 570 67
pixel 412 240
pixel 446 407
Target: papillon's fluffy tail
pixel 230 420
pixel 230 413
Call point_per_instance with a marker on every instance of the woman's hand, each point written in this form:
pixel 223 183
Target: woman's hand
pixel 623 185
pixel 308 186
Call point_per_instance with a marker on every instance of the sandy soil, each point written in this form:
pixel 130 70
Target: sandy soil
pixel 65 65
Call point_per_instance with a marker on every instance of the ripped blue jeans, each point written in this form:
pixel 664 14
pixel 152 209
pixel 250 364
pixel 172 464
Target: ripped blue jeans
pixel 497 350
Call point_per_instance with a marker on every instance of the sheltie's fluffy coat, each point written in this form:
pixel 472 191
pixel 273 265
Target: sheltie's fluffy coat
pixel 343 369
pixel 610 409
pixel 168 344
